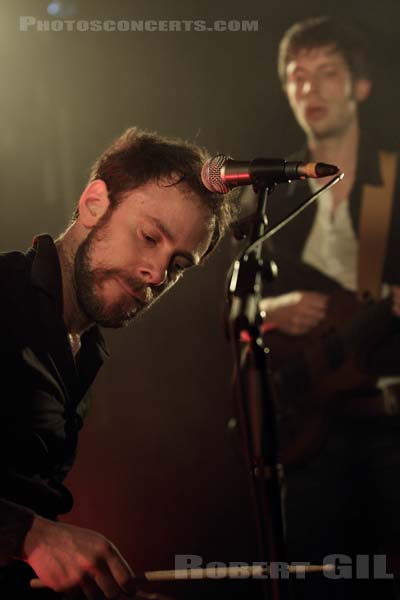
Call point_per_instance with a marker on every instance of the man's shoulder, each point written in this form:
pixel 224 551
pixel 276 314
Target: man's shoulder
pixel 14 265
pixel 12 258
pixel 14 278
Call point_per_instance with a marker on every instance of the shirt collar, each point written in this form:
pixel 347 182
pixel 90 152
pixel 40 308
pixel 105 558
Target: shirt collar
pixel 46 275
pixel 368 165
pixel 46 269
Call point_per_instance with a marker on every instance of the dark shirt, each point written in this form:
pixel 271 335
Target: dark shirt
pixel 44 391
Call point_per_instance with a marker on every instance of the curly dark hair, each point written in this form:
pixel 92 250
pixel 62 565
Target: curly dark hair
pixel 138 157
pixel 345 37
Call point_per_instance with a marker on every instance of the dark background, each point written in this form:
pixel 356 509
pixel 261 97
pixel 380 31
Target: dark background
pixel 159 471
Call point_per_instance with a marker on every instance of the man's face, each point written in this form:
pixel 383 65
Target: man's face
pixel 321 92
pixel 138 251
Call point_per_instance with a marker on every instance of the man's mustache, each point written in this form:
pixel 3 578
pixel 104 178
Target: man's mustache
pixel 138 288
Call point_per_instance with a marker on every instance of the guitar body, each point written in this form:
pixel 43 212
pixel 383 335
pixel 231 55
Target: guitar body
pixel 312 373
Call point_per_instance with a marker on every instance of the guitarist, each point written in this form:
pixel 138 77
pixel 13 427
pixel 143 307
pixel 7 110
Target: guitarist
pixel 344 499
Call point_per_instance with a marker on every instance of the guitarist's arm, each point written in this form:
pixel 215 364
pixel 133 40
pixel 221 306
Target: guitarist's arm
pixel 295 313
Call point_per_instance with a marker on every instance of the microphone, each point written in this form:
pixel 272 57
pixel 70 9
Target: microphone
pixel 221 173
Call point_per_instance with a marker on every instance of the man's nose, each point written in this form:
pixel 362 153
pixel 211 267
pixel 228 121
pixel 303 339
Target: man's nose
pixel 154 275
pixel 310 85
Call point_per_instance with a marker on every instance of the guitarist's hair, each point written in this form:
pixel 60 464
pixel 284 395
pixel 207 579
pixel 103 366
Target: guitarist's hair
pixel 344 37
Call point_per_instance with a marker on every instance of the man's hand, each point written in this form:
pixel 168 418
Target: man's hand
pixel 67 559
pixel 396 299
pixel 295 313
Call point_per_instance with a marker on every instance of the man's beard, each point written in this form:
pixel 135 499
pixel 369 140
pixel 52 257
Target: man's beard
pixel 88 280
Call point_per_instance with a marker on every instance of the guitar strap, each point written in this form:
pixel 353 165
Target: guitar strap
pixel 375 216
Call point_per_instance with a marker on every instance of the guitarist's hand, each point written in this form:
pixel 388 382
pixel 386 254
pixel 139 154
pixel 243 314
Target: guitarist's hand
pixel 295 313
pixel 396 299
pixel 68 558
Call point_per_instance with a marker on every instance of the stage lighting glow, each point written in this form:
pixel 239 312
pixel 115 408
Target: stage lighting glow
pixel 62 8
pixel 54 8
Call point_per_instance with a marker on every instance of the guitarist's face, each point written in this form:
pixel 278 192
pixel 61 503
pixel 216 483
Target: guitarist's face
pixel 322 93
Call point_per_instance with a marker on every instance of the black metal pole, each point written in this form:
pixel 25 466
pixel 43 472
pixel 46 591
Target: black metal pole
pixel 257 409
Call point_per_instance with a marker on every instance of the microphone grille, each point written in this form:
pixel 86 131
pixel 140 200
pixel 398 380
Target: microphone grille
pixel 211 174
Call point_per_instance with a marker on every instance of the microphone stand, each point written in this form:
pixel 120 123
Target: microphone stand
pixel 256 405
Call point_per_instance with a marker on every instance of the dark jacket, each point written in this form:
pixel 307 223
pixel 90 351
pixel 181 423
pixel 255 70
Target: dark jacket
pixel 43 391
pixel 291 239
pixel 287 245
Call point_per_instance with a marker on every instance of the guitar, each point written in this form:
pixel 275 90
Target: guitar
pixel 311 371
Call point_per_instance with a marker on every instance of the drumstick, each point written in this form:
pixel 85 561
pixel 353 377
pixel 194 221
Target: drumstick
pixel 240 572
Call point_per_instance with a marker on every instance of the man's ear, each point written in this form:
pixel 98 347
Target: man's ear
pixel 93 203
pixel 362 89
